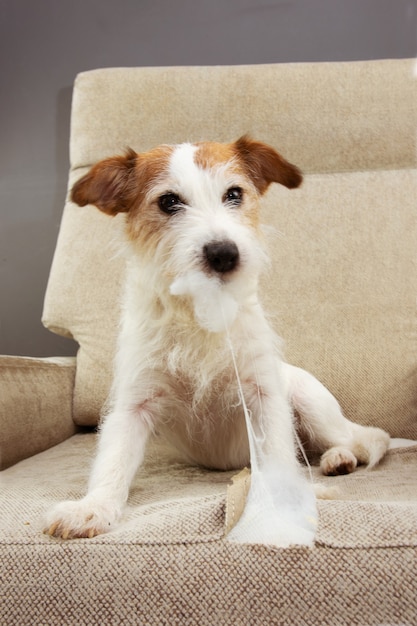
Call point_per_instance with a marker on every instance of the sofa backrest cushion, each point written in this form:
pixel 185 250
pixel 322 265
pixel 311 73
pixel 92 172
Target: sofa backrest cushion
pixel 341 290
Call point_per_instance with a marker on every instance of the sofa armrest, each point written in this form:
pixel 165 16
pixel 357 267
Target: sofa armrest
pixel 35 405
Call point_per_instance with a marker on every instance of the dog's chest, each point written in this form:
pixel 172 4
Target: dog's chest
pixel 210 430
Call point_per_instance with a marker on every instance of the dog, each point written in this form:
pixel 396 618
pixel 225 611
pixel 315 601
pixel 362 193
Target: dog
pixel 191 319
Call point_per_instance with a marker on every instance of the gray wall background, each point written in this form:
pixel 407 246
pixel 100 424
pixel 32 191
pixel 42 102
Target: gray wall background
pixel 45 43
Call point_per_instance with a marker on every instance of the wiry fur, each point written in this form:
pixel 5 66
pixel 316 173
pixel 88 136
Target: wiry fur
pixel 174 370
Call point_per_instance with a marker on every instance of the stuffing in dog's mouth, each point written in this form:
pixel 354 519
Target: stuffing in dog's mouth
pixel 215 307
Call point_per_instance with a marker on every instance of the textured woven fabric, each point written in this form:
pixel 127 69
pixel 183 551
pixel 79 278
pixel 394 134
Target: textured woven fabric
pixel 35 405
pixel 327 117
pixel 173 502
pixel 168 562
pixel 207 584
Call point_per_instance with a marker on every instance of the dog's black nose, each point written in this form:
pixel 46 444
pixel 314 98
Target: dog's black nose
pixel 222 256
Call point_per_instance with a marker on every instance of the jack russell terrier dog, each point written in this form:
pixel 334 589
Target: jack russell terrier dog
pixel 195 252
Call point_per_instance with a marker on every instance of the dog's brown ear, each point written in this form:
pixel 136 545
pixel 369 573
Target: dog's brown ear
pixel 111 184
pixel 265 166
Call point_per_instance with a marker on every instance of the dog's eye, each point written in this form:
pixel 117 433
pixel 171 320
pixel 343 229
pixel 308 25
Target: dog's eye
pixel 233 196
pixel 169 203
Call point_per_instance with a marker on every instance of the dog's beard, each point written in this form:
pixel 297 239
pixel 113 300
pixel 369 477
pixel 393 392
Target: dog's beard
pixel 215 303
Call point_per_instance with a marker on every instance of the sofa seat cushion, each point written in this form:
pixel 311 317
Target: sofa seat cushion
pixel 171 557
pixel 171 501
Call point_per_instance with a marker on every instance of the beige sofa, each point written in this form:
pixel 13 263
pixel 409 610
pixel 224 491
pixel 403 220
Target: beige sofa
pixel 342 292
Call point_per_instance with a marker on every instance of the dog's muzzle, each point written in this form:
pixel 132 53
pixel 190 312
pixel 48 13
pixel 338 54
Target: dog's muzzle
pixel 221 256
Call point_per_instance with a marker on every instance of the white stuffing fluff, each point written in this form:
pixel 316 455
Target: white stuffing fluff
pixel 280 509
pixel 214 307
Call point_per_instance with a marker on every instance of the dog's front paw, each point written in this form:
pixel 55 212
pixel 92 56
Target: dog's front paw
pixel 81 518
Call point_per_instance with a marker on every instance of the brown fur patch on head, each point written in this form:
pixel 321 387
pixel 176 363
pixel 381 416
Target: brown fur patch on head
pixel 117 184
pixel 111 184
pixel 146 222
pixel 211 154
pixel 121 184
pixel 265 166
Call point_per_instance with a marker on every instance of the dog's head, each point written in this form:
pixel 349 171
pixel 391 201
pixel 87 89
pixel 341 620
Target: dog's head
pixel 192 211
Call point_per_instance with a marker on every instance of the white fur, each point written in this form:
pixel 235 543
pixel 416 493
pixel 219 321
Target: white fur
pixel 175 370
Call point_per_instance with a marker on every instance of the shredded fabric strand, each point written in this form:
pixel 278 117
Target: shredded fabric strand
pixel 303 453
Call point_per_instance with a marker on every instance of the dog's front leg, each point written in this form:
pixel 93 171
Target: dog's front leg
pixel 271 415
pixel 280 508
pixel 121 449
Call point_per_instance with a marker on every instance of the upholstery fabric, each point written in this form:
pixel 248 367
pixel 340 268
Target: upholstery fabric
pixel 207 584
pixel 350 112
pixel 35 405
pixel 169 559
